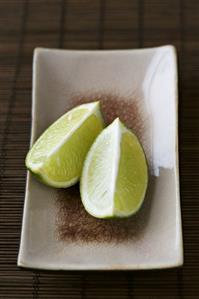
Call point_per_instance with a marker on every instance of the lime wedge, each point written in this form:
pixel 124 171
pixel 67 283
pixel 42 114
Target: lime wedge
pixel 57 156
pixel 115 175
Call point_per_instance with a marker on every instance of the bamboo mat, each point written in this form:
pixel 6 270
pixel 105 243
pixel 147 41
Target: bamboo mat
pixel 94 24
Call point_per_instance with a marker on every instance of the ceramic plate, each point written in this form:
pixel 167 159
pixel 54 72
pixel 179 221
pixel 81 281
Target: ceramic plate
pixel 139 86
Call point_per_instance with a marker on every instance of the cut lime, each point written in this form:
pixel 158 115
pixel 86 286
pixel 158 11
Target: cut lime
pixel 57 156
pixel 115 175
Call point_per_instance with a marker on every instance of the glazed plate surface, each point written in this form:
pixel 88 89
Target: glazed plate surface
pixel 139 86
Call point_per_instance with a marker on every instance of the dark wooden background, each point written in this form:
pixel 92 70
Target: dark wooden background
pixel 94 24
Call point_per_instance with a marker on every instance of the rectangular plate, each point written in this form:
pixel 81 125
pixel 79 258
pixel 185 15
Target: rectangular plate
pixel 139 86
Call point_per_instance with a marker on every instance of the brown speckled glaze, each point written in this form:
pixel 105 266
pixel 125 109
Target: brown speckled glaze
pixel 73 222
